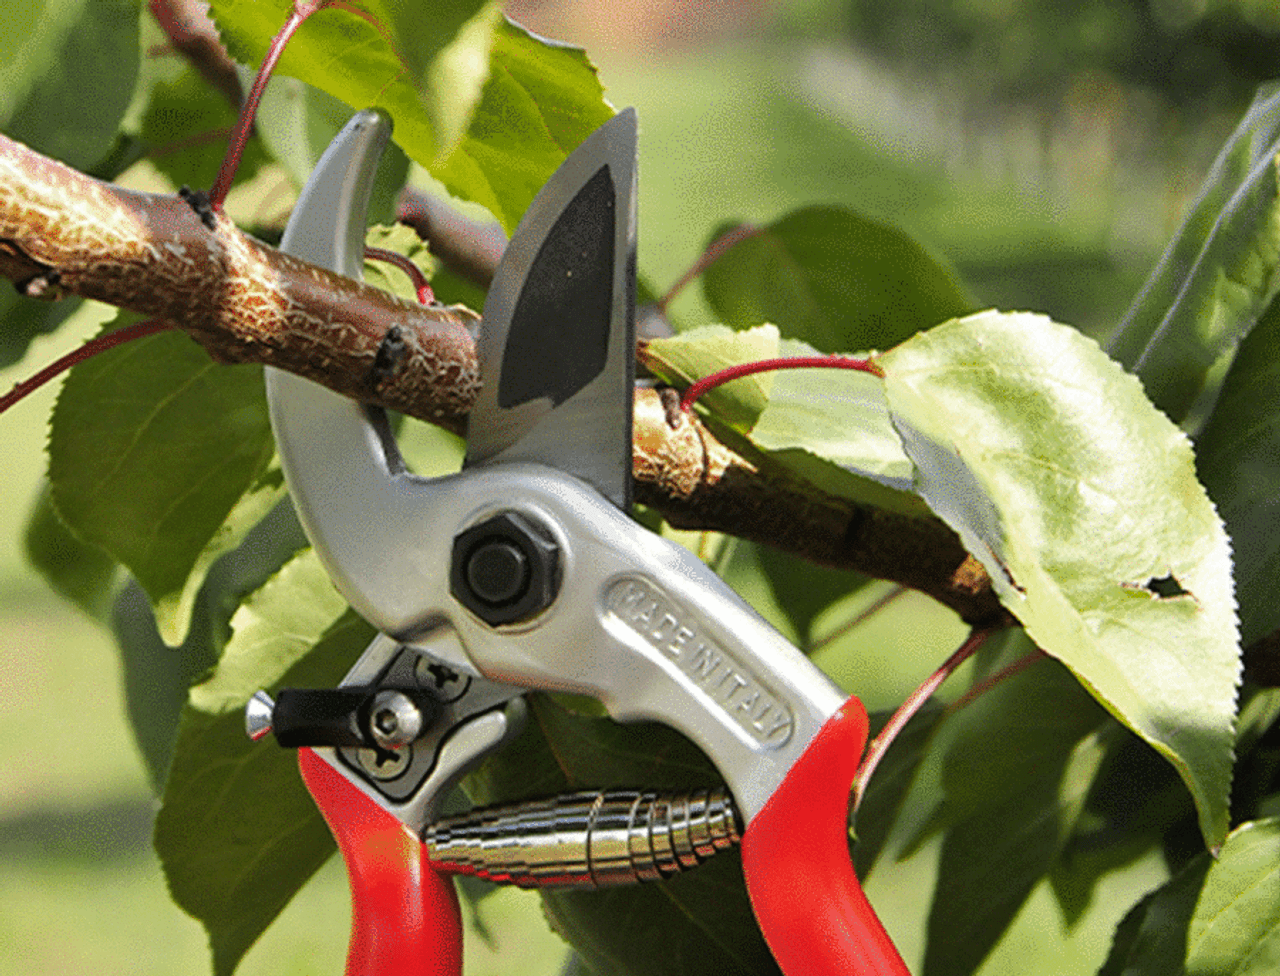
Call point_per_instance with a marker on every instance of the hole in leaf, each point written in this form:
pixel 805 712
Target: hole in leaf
pixel 1165 588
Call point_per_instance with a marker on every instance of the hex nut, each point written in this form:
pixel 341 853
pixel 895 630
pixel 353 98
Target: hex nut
pixel 505 569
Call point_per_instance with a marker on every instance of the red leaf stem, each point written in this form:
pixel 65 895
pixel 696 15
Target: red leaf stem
pixel 710 256
pixel 722 376
pixel 249 110
pixel 420 284
pixel 90 349
pixel 880 744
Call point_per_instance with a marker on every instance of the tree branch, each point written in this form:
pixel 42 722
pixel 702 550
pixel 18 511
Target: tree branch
pixel 245 302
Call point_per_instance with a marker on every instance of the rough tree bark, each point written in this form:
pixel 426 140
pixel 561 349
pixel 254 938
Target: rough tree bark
pixel 62 232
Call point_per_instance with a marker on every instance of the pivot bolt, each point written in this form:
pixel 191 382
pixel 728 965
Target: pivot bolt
pixel 505 569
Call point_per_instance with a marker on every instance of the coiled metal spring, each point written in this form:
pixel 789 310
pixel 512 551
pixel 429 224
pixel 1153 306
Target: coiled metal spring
pixel 594 839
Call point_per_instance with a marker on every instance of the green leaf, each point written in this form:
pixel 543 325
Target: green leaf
pixel 1081 501
pixel 184 122
pixel 157 678
pixel 1239 461
pixel 704 916
pixel 1015 781
pixel 1236 925
pixel 423 67
pixel 829 428
pixel 237 832
pixel 887 790
pixel 160 457
pixel 835 279
pixel 1218 274
pixel 540 101
pixel 700 352
pixel 803 590
pixel 67 73
pixel 26 318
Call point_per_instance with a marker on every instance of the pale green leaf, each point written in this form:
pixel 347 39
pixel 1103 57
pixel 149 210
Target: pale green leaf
pixel 835 279
pixel 540 101
pixel 160 457
pixel 1218 274
pixel 692 355
pixel 270 632
pixel 829 428
pixel 1082 502
pixel 1235 930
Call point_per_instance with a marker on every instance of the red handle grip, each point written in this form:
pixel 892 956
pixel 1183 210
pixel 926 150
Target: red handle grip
pixel 795 855
pixel 404 915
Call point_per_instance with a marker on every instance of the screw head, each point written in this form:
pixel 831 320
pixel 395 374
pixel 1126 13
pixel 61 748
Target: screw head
pixel 385 766
pixel 394 719
pixel 505 569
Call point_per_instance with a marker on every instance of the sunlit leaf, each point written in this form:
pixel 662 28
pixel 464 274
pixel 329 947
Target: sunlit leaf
pixel 835 279
pixel 160 457
pixel 1082 502
pixel 700 352
pixel 827 427
pixel 1218 274
pixel 540 101
pixel 237 832
pixel 424 68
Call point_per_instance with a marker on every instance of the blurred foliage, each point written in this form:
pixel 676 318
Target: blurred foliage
pixel 1213 52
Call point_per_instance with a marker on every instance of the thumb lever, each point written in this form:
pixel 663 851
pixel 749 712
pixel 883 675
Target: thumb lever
pixel 369 718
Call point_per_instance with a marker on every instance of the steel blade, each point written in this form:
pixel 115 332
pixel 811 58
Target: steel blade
pixel 557 342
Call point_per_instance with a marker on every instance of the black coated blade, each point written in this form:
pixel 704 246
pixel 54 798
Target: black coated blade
pixel 557 344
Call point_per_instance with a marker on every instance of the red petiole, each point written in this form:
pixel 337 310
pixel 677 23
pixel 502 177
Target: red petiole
pixel 880 744
pixel 720 377
pixel 91 348
pixel 249 110
pixel 420 284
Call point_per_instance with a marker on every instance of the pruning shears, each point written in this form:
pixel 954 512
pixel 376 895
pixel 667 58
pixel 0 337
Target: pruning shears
pixel 524 572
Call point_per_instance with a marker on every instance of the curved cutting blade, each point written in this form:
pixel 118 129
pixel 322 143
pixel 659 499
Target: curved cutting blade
pixel 557 342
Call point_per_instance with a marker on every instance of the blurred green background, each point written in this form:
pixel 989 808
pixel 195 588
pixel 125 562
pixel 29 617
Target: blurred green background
pixel 1047 150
